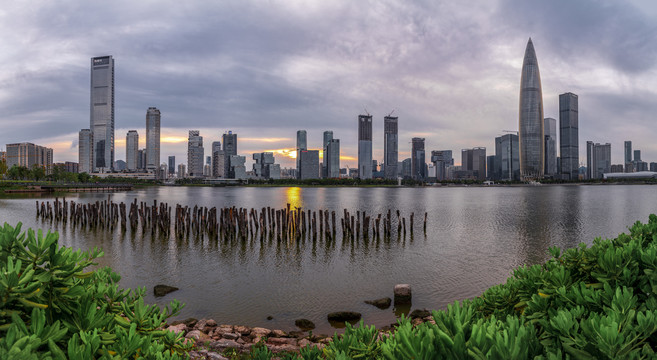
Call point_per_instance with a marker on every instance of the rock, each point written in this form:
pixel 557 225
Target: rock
pixel 224 344
pixel 417 313
pixel 283 348
pixel 278 333
pixel 161 290
pixel 402 294
pixel 198 336
pixel 190 322
pixel 304 324
pixel 296 334
pixel 177 328
pixel 342 316
pixel 230 336
pixel 259 332
pixel 211 323
pixel 243 330
pixel 214 356
pixel 382 303
pixel 282 341
pixel 200 325
pixel 304 342
pixel 270 317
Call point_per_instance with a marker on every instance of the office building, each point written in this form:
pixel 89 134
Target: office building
pixel 550 144
pixel 637 155
pixel 328 136
pixel 141 160
pixel 119 165
pixel 102 112
pixel 418 162
pixel 530 120
pixel 390 147
pixel 182 171
pixel 29 155
pixel 172 165
pixel 308 164
pixel 628 152
pixel 302 145
pixel 490 166
pixel 332 158
pixel 598 160
pixel 365 146
pixel 195 154
pixel 441 159
pixel 85 151
pixel 218 160
pixel 617 168
pixel 152 139
pixel 265 166
pixel 132 150
pixel 237 167
pixel 569 136
pixel 230 148
pixel 653 166
pixel 507 158
pixel 473 163
pixel 405 168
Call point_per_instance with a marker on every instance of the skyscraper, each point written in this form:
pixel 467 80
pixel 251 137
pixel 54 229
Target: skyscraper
pixel 333 158
pixel 230 149
pixel 302 144
pixel 365 146
pixel 550 144
pixel 308 164
pixel 328 136
pixel 132 150
pixel 172 165
pixel 598 159
pixel 85 151
pixel 418 162
pixel 628 152
pixel 29 155
pixel 473 162
pixel 530 121
pixel 195 154
pixel 152 139
pixel 507 158
pixel 569 136
pixel 441 159
pixel 390 147
pixel 102 112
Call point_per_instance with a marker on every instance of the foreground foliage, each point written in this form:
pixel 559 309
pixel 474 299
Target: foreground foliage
pixel 584 303
pixel 50 308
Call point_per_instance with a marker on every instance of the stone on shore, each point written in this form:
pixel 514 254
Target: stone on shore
pixel 161 290
pixel 417 313
pixel 177 328
pixel 304 324
pixel 382 303
pixel 342 316
pixel 402 294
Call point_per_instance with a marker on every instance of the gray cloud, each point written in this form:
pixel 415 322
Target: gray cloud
pixel 450 71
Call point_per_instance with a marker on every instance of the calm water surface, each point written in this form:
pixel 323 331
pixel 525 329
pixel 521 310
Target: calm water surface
pixel 475 237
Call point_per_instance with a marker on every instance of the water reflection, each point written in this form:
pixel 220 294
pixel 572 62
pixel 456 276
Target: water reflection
pixel 475 237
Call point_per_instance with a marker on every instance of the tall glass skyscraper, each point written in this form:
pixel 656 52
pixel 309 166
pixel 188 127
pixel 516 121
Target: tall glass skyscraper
pixel 418 162
pixel 102 112
pixel 195 154
pixel 569 136
pixel 302 145
pixel 365 146
pixel 390 147
pixel 530 121
pixel 328 136
pixel 152 139
pixel 550 128
pixel 132 150
pixel 85 151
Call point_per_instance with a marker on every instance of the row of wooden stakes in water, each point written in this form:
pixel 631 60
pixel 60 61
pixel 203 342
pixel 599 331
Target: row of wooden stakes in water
pixel 228 222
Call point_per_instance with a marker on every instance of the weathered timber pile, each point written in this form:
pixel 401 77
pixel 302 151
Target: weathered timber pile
pixel 228 222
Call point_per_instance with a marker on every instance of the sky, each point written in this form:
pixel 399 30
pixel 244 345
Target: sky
pixel 450 71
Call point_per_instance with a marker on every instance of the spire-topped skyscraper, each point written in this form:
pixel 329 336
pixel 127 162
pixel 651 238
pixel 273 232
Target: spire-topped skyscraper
pixel 530 119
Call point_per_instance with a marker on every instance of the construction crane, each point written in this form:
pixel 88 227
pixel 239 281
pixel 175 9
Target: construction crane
pixel 366 112
pixel 393 110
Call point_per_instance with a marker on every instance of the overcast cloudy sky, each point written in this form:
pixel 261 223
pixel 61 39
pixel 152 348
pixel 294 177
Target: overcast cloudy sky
pixel 264 69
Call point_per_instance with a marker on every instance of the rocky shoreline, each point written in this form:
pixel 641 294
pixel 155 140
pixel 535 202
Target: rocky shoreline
pixel 213 340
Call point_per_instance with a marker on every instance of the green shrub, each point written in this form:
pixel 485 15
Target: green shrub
pixel 51 308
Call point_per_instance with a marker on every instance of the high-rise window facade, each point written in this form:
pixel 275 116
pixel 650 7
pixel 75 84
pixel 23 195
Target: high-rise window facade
pixel 152 139
pixel 365 146
pixel 569 136
pixel 132 150
pixel 102 112
pixel 531 134
pixel 195 154
pixel 85 151
pixel 390 147
pixel 550 144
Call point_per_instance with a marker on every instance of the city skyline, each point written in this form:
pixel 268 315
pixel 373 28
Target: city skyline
pixel 425 61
